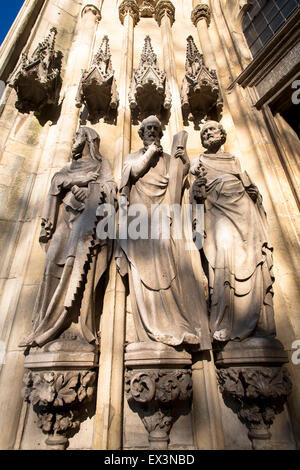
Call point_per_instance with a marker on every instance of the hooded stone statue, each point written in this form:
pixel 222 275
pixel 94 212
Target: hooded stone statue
pixel 75 257
pixel 167 302
pixel 237 253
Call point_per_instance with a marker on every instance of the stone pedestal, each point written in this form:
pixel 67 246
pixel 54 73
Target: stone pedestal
pixel 60 384
pixel 158 385
pixel 253 381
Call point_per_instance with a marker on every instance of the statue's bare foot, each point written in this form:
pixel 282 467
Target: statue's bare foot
pixel 221 335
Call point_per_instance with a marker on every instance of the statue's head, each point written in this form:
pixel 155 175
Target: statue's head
pixel 86 136
pixel 150 130
pixel 213 136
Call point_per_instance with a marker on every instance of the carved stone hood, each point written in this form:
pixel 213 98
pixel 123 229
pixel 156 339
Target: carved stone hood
pixel 149 91
pixel 200 92
pixel 97 89
pixel 36 79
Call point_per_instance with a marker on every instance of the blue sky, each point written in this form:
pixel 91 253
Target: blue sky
pixel 9 10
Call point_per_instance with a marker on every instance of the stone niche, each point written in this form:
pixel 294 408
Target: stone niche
pixel 37 79
pixel 200 92
pixel 149 90
pixel 98 90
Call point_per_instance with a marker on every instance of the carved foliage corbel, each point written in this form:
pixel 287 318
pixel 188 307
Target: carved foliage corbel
pixel 157 395
pixel 201 11
pixel 147 8
pixel 131 7
pixel 37 79
pixel 98 89
pixel 200 91
pixel 149 90
pixel 260 393
pixel 94 10
pixel 59 398
pixel 163 8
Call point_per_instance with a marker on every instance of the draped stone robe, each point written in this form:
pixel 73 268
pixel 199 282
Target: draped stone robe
pixel 237 250
pixel 75 259
pixel 168 304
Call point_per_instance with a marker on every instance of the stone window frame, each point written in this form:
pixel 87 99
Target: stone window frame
pixel 258 21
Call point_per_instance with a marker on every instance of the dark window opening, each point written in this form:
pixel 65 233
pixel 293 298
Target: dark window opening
pixel 287 104
pixel 264 19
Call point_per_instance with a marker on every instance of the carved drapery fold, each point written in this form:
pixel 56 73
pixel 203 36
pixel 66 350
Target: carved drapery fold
pixel 149 91
pixel 37 79
pixel 98 89
pixel 131 7
pixel 201 11
pixel 164 8
pixel 200 91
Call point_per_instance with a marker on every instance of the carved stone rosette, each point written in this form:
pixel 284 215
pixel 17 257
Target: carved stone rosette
pixel 158 386
pixel 131 7
pixel 59 399
pixel 98 89
pixel 200 91
pixel 37 79
pixel 255 384
pixel 163 8
pixel 149 90
pixel 201 11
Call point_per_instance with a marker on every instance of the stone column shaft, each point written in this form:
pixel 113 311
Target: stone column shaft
pixel 109 413
pixel 165 16
pixel 201 19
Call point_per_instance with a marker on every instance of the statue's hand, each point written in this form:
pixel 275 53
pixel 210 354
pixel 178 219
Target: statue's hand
pixel 180 153
pixel 198 189
pixel 253 192
pixel 46 231
pixel 154 149
pixel 79 193
pixel 91 176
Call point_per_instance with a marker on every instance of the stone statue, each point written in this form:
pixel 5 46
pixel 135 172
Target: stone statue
pixel 75 258
pixel 236 253
pixel 168 304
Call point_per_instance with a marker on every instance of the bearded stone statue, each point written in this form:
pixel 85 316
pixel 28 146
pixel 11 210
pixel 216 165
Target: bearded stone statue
pixel 168 304
pixel 236 253
pixel 76 258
